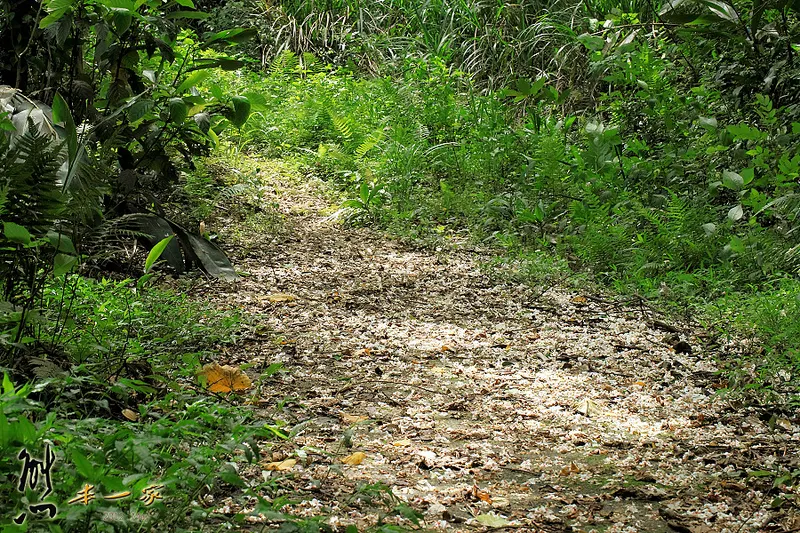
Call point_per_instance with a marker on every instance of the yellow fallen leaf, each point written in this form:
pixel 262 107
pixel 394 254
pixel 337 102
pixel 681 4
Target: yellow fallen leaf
pixel 579 300
pixel 281 466
pixel 280 297
pixel 224 378
pixel 355 459
pixel 133 416
pixel 445 348
pixel 401 443
pixel 353 419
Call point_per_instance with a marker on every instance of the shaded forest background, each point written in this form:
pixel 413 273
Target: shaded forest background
pixel 650 149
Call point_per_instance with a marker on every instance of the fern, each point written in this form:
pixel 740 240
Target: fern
pixel 343 125
pixel 284 63
pixel 370 142
pixel 677 214
pixel 32 197
pixel 113 236
pixel 231 192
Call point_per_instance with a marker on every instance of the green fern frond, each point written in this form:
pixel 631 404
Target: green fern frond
pixel 284 63
pixel 231 192
pixel 369 143
pixel 343 125
pixel 32 198
pixel 677 215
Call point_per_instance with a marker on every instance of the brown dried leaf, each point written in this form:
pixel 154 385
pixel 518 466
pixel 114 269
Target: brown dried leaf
pixel 571 468
pixel 133 416
pixel 478 494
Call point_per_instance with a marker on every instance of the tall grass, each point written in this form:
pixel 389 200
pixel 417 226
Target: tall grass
pixel 491 40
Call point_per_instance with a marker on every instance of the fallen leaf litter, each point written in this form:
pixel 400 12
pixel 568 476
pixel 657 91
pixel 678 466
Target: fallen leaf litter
pixel 483 404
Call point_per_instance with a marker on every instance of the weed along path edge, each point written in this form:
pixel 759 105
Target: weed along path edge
pixel 418 379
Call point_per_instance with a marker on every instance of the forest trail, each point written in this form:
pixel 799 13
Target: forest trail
pixel 471 395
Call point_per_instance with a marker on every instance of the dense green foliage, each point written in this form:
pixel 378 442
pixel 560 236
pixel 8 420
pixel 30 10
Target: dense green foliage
pixel 651 148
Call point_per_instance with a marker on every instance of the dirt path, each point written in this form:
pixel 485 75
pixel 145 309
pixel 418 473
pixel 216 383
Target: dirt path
pixel 471 396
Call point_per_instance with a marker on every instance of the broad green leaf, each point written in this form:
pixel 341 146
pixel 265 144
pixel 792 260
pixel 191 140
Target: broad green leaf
pixel 56 10
pixel 743 132
pixel 16 233
pixel 63 263
pixel 217 92
pixel 355 204
pixel 732 180
pixel 748 174
pixel 709 228
pixel 8 386
pixel 157 230
pixel 62 115
pixel 203 121
pixel 122 21
pixel 178 110
pixel 231 36
pixel 225 63
pixel 83 466
pixel 258 102
pixel 241 111
pixel 213 136
pixel 5 122
pixel 155 253
pixel 722 9
pixel 709 123
pixel 61 242
pixel 26 431
pixel 119 6
pixel 592 42
pixel 139 109
pixel 187 15
pixel 185 3
pixel 736 212
pixel 191 80
pixel 150 75
pixel 537 86
pixel 198 250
